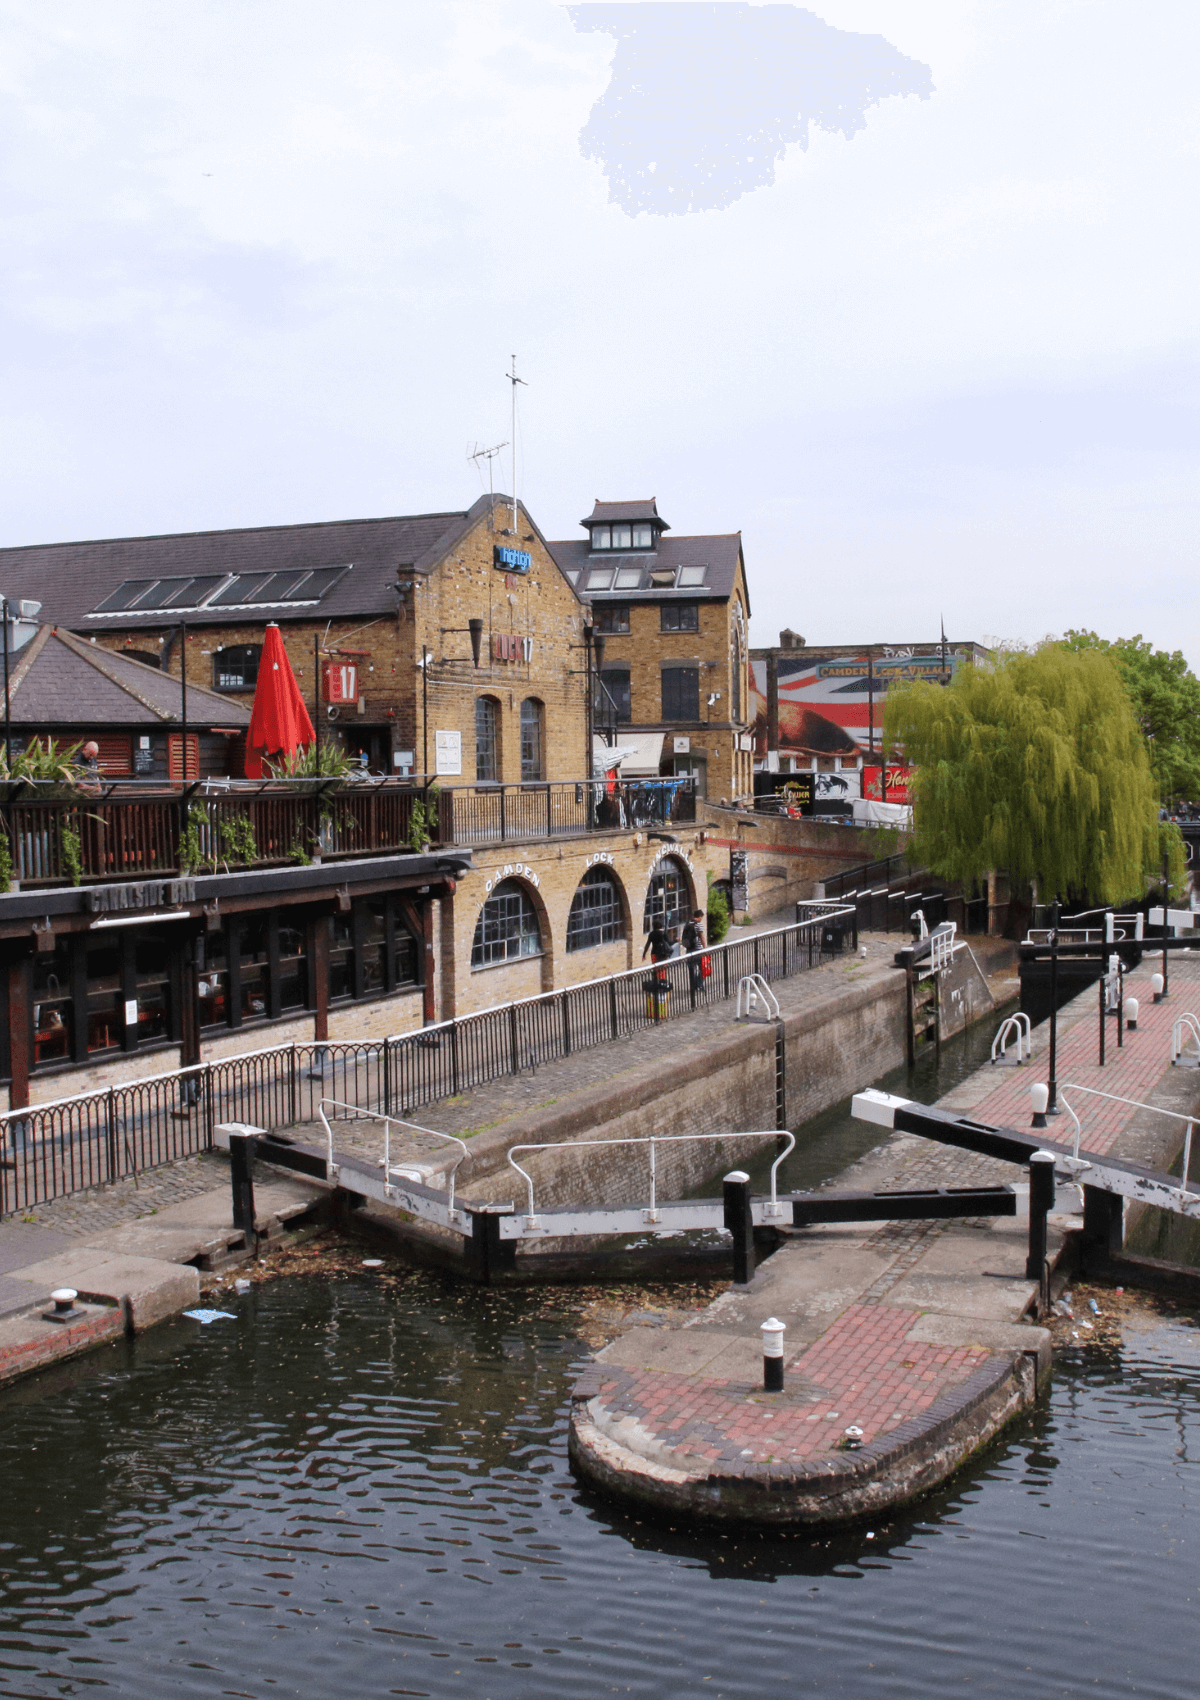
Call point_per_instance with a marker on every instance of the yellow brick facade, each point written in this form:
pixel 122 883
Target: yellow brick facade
pixel 550 872
pixel 720 649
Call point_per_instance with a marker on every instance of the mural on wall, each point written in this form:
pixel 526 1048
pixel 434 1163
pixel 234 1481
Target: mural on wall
pixel 825 701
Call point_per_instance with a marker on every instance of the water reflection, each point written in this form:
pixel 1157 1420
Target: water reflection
pixel 360 1488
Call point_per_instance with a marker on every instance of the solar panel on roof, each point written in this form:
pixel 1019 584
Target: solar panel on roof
pixel 314 584
pixel 125 595
pixel 240 589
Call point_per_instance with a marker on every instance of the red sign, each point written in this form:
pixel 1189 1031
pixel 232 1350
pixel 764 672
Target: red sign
pixel 507 646
pixel 897 784
pixel 341 681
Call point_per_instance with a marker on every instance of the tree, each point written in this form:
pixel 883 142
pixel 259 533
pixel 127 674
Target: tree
pixel 1166 700
pixel 1035 764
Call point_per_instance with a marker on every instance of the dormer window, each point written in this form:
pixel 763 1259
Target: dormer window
pixel 622 537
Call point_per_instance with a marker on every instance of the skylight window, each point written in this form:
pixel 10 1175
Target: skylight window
pixel 628 578
pixel 600 581
pixel 662 578
pixel 692 575
pixel 219 590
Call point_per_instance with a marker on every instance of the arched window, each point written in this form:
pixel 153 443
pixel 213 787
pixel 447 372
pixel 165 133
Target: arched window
pixel 531 739
pixel 669 899
pixel 487 738
pixel 235 668
pixel 507 926
pixel 597 913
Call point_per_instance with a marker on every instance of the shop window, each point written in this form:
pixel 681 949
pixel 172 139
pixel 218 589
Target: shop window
pixel 52 1006
pixel 254 970
pixel 235 668
pixel 388 950
pixel 669 898
pixel 681 693
pixel 679 617
pixel 293 969
pixel 341 959
pixel 487 739
pixel 531 740
pixel 152 973
pixel 105 1015
pixel 612 617
pixel 507 927
pixel 597 913
pixel 212 980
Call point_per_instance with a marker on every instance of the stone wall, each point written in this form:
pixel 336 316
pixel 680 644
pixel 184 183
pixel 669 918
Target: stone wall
pixel 832 1050
pixel 788 858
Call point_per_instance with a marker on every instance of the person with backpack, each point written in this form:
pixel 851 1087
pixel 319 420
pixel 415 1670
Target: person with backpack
pixel 693 944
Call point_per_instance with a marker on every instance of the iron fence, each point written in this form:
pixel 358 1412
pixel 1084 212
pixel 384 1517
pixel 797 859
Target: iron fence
pixel 51 1150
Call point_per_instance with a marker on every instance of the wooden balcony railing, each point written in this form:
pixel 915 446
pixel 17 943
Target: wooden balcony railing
pixel 118 833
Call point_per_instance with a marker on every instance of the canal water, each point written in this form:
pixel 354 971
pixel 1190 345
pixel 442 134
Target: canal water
pixel 356 1486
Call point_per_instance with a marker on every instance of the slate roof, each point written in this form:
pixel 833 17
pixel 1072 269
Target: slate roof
pixel 605 512
pixel 719 556
pixel 72 579
pixel 61 680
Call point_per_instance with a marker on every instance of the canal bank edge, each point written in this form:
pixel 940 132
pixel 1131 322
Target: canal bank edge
pixel 880 1476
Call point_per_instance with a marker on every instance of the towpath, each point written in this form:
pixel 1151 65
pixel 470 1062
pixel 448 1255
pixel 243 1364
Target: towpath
pixel 913 1333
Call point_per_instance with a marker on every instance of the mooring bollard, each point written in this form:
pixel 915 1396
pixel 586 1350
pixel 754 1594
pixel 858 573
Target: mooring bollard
pixel 1039 1098
pixel 1041 1203
pixel 740 1223
pixel 772 1339
pixel 241 1175
pixel 63 1300
pixel 1131 1015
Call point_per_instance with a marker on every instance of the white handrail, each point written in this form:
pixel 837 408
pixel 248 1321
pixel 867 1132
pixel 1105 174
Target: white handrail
pixel 773 1209
pixel 752 989
pixel 378 1116
pixel 1136 1104
pixel 1185 1023
pixel 1019 1024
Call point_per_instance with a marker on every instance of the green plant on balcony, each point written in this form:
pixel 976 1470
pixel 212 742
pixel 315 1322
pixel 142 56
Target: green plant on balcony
pixel 238 843
pixel 72 854
pixel 6 864
pixel 191 846
pixel 330 761
pixel 423 823
pixel 50 766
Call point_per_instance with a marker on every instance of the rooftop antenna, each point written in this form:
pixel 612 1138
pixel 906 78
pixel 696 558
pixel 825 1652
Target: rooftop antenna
pixel 489 455
pixel 514 381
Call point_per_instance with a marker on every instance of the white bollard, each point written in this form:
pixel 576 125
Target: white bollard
pixel 1039 1097
pixel 772 1339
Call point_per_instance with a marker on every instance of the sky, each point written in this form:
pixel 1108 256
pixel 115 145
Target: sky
pixel 905 293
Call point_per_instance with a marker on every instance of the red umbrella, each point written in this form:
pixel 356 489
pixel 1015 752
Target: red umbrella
pixel 279 721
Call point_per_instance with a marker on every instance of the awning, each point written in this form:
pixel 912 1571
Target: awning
pixel 642 755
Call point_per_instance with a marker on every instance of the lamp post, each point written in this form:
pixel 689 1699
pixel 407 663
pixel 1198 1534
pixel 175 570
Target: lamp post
pixel 1052 1108
pixel 1166 865
pixel 7 701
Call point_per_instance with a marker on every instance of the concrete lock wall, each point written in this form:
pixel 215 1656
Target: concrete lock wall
pixel 728 1084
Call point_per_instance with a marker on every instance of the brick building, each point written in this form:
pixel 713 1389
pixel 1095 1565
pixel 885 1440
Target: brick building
pixel 673 613
pixel 444 632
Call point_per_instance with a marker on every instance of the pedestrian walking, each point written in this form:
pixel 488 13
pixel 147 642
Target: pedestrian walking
pixel 693 945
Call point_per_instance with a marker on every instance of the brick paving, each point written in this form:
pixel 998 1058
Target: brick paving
pixel 862 1373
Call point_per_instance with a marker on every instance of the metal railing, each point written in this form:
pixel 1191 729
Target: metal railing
pixel 651 1216
pixel 50 1150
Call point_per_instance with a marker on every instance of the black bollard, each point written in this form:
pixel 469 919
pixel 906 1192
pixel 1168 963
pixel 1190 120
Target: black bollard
pixel 241 1174
pixel 740 1222
pixel 1041 1203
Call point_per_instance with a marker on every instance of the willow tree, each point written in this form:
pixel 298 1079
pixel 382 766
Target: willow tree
pixel 1035 764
